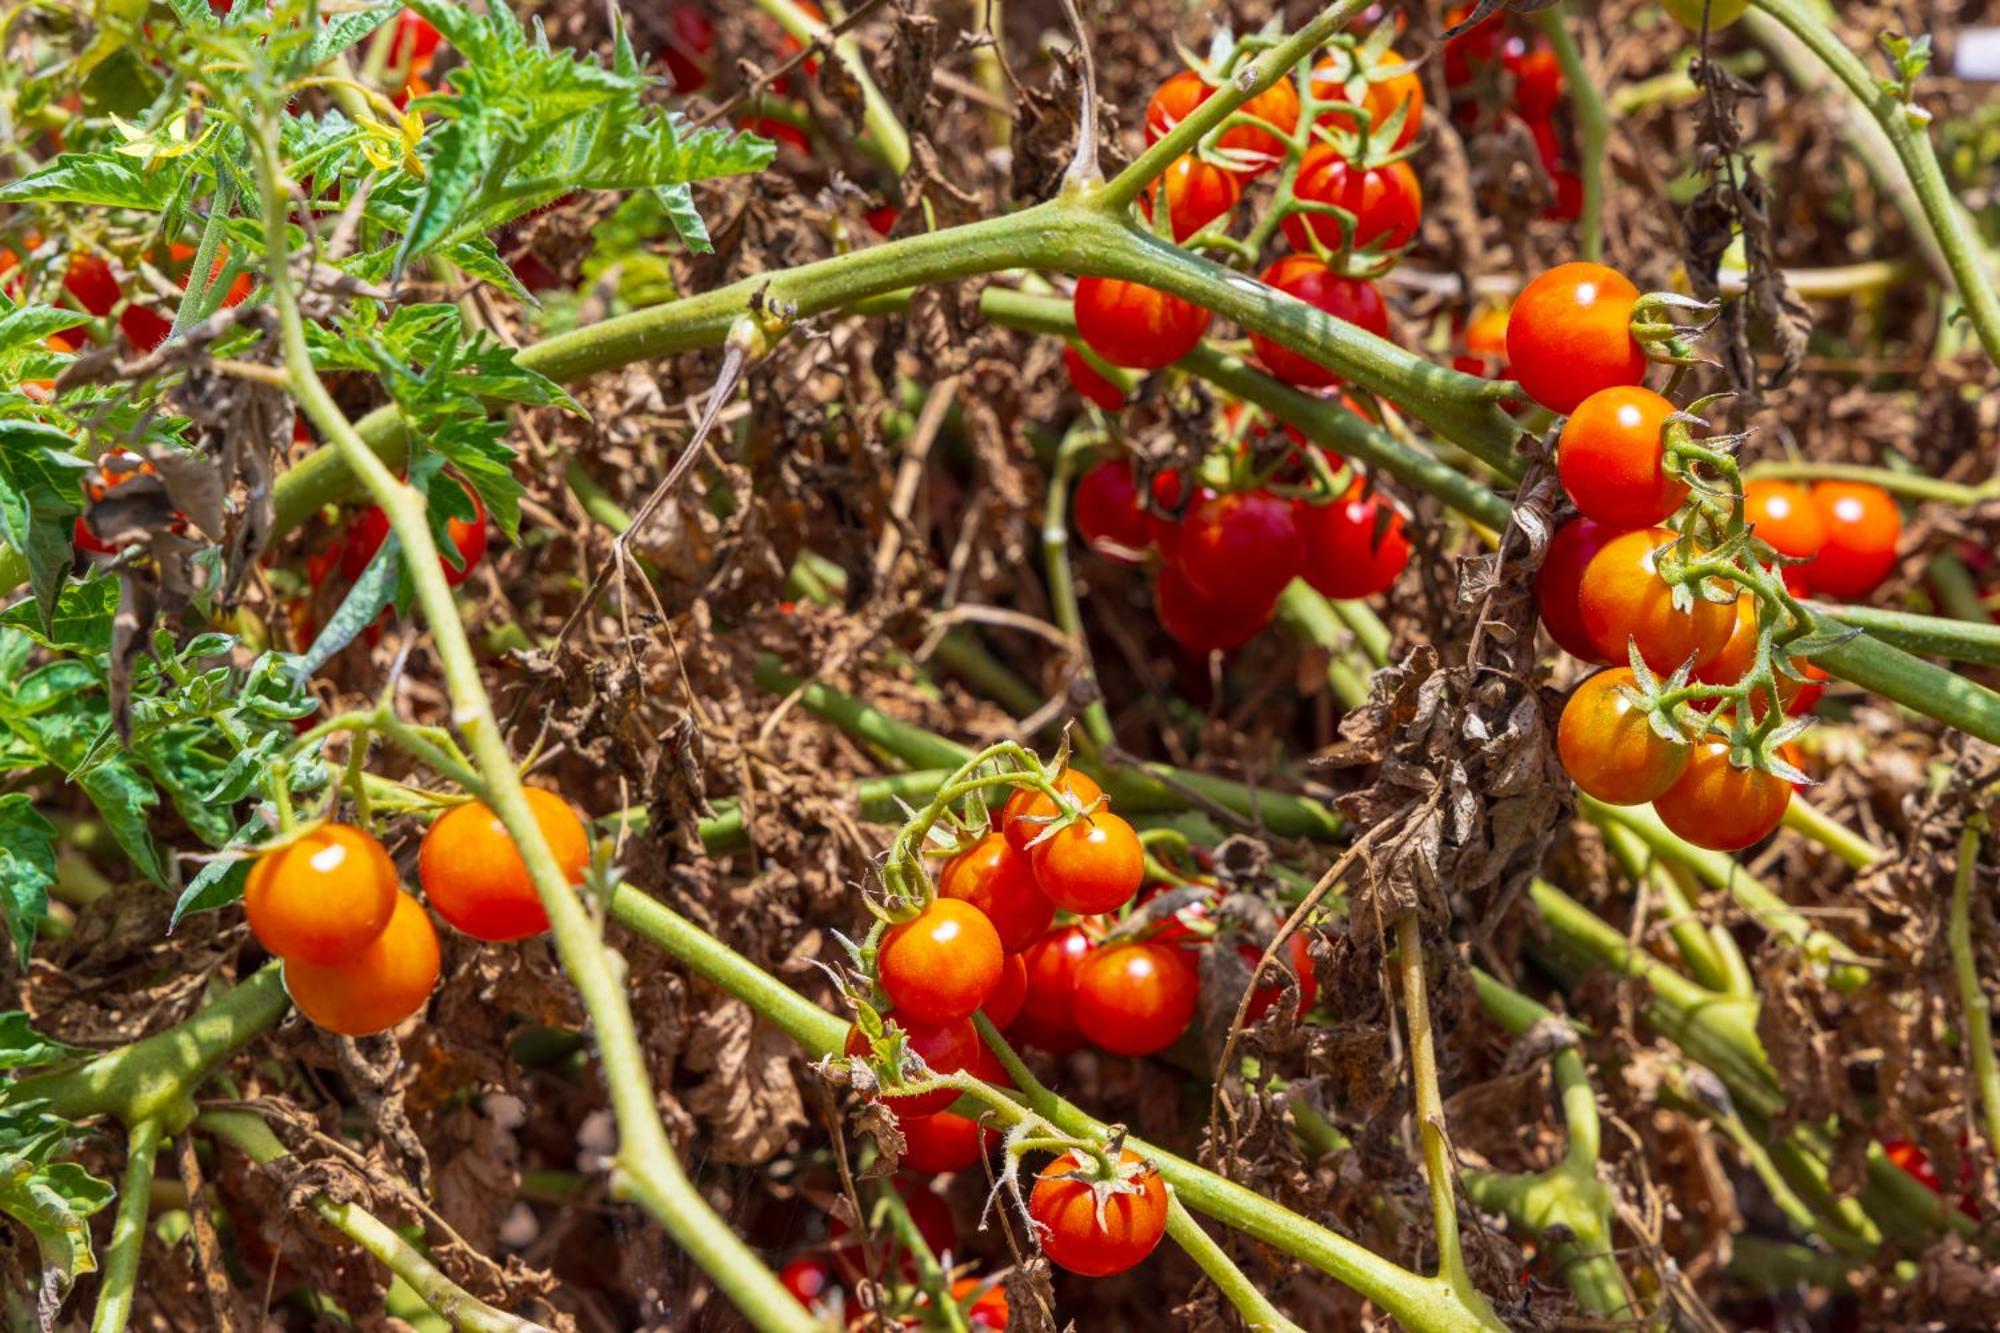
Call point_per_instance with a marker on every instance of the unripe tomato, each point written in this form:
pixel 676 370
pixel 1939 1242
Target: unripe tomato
pixel 1092 864
pixel 940 967
pixel 1311 281
pixel 473 873
pixel 1715 804
pixel 381 986
pixel 323 897
pixel 1612 458
pixel 1862 526
pixel 1570 334
pixel 1004 1004
pixel 1297 955
pixel 1558 584
pixel 1000 882
pixel 1028 812
pixel 1108 513
pixel 1250 149
pixel 810 1279
pixel 1784 517
pixel 1609 747
pixel 1200 625
pixel 1387 202
pixel 1623 600
pixel 1093 1238
pixel 1135 999
pixel 1330 78
pixel 946 1049
pixel 935 1144
pixel 1089 384
pixel 1244 546
pixel 1355 546
pixel 1048 1015
pixel 1197 192
pixel 1721 13
pixel 1132 325
pixel 1738 655
pixel 1538 76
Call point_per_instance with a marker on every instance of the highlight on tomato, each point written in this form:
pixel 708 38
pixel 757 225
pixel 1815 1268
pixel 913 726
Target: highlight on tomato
pixel 1095 1224
pixel 1570 335
pixel 473 874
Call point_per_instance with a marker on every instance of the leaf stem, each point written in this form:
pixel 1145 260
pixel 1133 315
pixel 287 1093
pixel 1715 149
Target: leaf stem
pixel 128 1230
pixel 1259 1315
pixel 1978 1019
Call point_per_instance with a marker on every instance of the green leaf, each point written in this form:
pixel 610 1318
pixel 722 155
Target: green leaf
pixel 81 622
pixel 341 32
pixel 460 158
pixel 220 882
pixel 53 1200
pixel 111 180
pixel 125 800
pixel 31 325
pixel 21 1047
pixel 27 869
pixel 678 200
pixel 371 594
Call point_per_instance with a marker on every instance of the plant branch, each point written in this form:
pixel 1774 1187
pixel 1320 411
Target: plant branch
pixel 128 1230
pixel 1978 1011
pixel 1259 1315
pixel 1593 129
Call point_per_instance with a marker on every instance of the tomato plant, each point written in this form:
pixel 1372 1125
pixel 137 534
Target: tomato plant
pixel 944 1049
pixel 473 874
pixel 1387 202
pixel 1392 85
pixel 1029 811
pixel 1249 149
pixel 1264 995
pixel 1095 1225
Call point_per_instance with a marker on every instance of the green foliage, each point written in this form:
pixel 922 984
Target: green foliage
pixel 53 1200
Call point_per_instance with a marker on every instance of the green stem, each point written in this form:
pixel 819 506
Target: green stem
pixel 1062 592
pixel 1931 636
pixel 1956 590
pixel 128 1231
pixel 1593 129
pixel 1697 943
pixel 1259 1315
pixel 1809 821
pixel 878 119
pixel 1978 1020
pixel 1310 617
pixel 1914 485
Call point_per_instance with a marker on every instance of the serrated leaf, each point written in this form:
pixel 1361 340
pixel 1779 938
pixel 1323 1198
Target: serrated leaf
pixel 338 33
pixel 371 594
pixel 678 201
pixel 459 160
pixel 80 621
pixel 109 180
pixel 27 870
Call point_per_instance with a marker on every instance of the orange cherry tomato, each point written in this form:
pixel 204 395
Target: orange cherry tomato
pixel 473 873
pixel 1251 149
pixel 941 966
pixel 1863 526
pixel 1612 458
pixel 1623 600
pixel 1028 812
pixel 379 988
pixel 1092 864
pixel 999 880
pixel 1570 334
pixel 322 898
pixel 1331 78
pixel 1094 1237
pixel 1717 805
pixel 1609 747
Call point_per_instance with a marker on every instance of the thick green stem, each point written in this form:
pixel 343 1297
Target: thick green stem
pixel 1930 636
pixel 1978 1011
pixel 1593 129
pixel 1706 951
pixel 1259 1315
pixel 128 1231
pixel 1809 821
pixel 1310 617
pixel 1062 593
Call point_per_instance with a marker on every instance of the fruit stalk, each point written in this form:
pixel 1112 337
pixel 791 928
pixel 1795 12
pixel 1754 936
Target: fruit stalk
pixel 128 1230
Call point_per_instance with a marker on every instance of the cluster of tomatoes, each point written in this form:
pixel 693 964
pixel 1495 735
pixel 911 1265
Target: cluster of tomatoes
pixel 354 546
pixel 360 954
pixel 1490 53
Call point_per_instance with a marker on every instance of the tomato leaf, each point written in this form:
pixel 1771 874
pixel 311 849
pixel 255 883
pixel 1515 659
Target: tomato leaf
pixel 21 1047
pixel 337 34
pixel 27 869
pixel 112 180
pixel 53 1200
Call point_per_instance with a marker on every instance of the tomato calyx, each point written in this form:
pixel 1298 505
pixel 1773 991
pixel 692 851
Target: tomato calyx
pixel 1666 339
pixel 1104 1170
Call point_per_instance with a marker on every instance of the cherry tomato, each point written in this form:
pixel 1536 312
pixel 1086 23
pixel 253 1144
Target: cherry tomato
pixel 1028 813
pixel 415 41
pixel 1739 654
pixel 989 1307
pixel 1241 546
pixel 935 1144
pixel 1197 192
pixel 370 528
pixel 90 283
pixel 1202 626
pixel 1862 526
pixel 811 1280
pixel 1330 81
pixel 1558 585
pixel 473 873
pixel 1089 384
pixel 1249 149
pixel 1570 334
pixel 1091 1236
pixel 1000 882
pixel 1004 1004
pixel 322 898
pixel 1048 1015
pixel 1171 501
pixel 1387 202
pixel 778 131
pixel 947 1048
pixel 1622 600
pixel 1720 13
pixel 1355 546
pixel 1311 281
pixel 1297 956
pixel 1108 513
pixel 1135 999
pixel 1613 461
pixel 690 48
pixel 381 986
pixel 1608 745
pixel 1465 53
pixel 1916 1163
pixel 941 966
pixel 1715 804
pixel 1538 76
pixel 1131 325
pixel 1092 864
pixel 1784 517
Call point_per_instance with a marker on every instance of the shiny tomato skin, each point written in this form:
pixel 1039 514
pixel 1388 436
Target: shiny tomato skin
pixel 1558 584
pixel 1716 805
pixel 1739 654
pixel 1622 600
pixel 1352 549
pixel 1538 76
pixel 1241 546
pixel 1784 517
pixel 940 967
pixel 1380 100
pixel 1202 626
pixel 1108 512
pixel 1047 1018
pixel 936 1144
pixel 1136 999
pixel 1197 192
pixel 322 898
pixel 1387 202
pixel 1296 955
pixel 1028 812
pixel 947 1048
pixel 1249 149
pixel 1077 1235
pixel 1000 882
pixel 473 874
pixel 1609 748
pixel 1092 864
pixel 1089 383
pixel 1863 526
pixel 1135 326
pixel 381 986
pixel 1613 461
pixel 1350 299
pixel 1004 1004
pixel 1570 335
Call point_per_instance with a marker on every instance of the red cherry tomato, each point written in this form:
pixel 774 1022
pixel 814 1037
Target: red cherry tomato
pixel 1387 202
pixel 1622 599
pixel 90 283
pixel 1538 76
pixel 1466 53
pixel 1197 192
pixel 1000 882
pixel 690 48
pixel 1609 747
pixel 1297 955
pixel 1784 516
pixel 1355 546
pixel 370 528
pixel 810 1279
pixel 1244 546
pixel 1570 335
pixel 1350 299
pixel 1249 149
pixel 1089 384
pixel 1095 1236
pixel 1613 461
pixel 1004 1004
pixel 777 131
pixel 1715 804
pixel 1558 584
pixel 1028 812
pixel 1332 78
pixel 1863 527
pixel 1916 1163
pixel 415 41
pixel 947 1049
pixel 1202 626
pixel 935 1144
pixel 1048 1015
pixel 1108 512
pixel 941 966
pixel 1135 326
pixel 1092 864
pixel 1135 999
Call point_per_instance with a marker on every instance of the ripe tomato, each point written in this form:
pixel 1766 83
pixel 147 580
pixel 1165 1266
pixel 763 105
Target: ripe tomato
pixel 473 873
pixel 690 47
pixel 381 986
pixel 1094 1237
pixel 989 1308
pixel 1197 192
pixel 1297 956
pixel 1108 513
pixel 370 528
pixel 810 1279
pixel 1241 546
pixel 1558 584
pixel 1387 202
pixel 776 130
pixel 1623 600
pixel 946 1049
pixel 1570 334
pixel 1047 1017
pixel 1739 654
pixel 1471 49
pixel 1608 745
pixel 1135 326
pixel 90 283
pixel 1331 79
pixel 1715 804
pixel 1135 999
pixel 1721 13
pixel 1004 1004
pixel 1862 526
pixel 1785 518
pixel 1027 813
pixel 1202 626
pixel 1250 149
pixel 1613 461
pixel 415 41
pixel 1089 384
pixel 1538 76
pixel 1000 882
pixel 1915 1162
pixel 1090 865
pixel 941 966
pixel 1311 281
pixel 322 898
pixel 935 1144
pixel 1355 546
